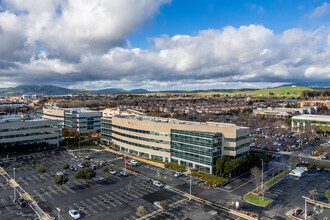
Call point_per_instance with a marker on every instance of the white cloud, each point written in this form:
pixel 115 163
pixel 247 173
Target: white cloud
pixel 320 11
pixel 83 45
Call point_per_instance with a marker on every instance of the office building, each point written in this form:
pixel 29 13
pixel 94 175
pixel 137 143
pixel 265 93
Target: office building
pixel 302 122
pixel 79 120
pixel 24 131
pixel 192 144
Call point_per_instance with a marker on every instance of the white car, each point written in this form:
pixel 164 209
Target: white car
pixel 74 214
pixel 59 173
pixel 113 172
pixel 123 173
pixel 157 204
pixel 178 174
pixel 157 183
pixel 133 162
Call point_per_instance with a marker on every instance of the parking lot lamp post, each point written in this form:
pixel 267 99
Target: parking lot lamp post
pixel 125 160
pixel 58 213
pixel 262 177
pixel 14 186
pixel 306 198
pixel 79 146
pixel 190 186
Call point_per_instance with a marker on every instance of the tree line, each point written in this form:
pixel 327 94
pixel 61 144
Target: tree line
pixel 225 166
pixel 314 93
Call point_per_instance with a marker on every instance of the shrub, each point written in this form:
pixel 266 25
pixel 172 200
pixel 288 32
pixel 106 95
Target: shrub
pixel 211 180
pixel 175 167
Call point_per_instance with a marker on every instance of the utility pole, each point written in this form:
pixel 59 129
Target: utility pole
pixel 14 185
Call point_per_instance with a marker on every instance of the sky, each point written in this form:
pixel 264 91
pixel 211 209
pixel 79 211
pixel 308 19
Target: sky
pixel 164 44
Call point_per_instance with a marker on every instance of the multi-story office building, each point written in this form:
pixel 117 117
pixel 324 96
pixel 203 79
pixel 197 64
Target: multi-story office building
pixel 78 119
pixel 192 144
pixel 23 131
pixel 301 122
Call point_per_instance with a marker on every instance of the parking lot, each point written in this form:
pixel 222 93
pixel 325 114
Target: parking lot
pixel 104 196
pixel 287 194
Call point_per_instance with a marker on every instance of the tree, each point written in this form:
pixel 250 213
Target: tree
pixel 98 136
pixel 65 132
pixel 106 169
pixel 164 205
pixel 66 166
pixel 41 169
pixel 141 211
pixel 313 192
pixel 90 136
pixel 85 174
pixel 70 132
pixel 60 180
pixel 76 135
pixel 256 176
pixel 327 194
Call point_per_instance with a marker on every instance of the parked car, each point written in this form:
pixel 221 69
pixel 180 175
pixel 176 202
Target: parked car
pixel 81 165
pixel 73 168
pixel 22 202
pixel 113 172
pixel 59 173
pixel 123 173
pixel 87 157
pixel 157 204
pixel 74 214
pixel 158 184
pixel 319 168
pixel 94 166
pixel 178 174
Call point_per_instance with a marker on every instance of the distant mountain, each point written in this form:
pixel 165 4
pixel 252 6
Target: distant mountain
pixel 139 91
pixel 56 90
pixel 39 90
pixel 110 90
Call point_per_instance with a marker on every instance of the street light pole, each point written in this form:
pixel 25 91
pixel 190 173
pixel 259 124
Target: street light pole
pixel 79 146
pixel 14 186
pixel 190 186
pixel 262 177
pixel 306 198
pixel 58 213
pixel 125 160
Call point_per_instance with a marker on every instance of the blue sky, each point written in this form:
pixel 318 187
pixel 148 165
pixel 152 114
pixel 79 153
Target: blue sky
pixel 165 44
pixel 187 17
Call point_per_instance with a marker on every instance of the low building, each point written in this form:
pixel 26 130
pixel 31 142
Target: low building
pixel 303 122
pixel 192 144
pixel 79 120
pixel 26 131
pixel 318 103
pixel 283 112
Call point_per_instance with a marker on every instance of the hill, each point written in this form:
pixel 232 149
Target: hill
pixel 281 91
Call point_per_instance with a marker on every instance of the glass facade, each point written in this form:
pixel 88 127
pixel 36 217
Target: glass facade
pixel 106 129
pixel 236 139
pixel 195 146
pixel 142 131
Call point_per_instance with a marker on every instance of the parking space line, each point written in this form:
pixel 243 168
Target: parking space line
pixel 88 207
pixel 42 198
pixel 2 186
pixel 46 193
pixel 37 179
pixel 24 181
pixel 110 200
pixel 69 189
pixel 12 199
pixel 29 178
pixel 52 190
pixel 114 197
pixel 59 189
pixel 4 203
pixel 97 203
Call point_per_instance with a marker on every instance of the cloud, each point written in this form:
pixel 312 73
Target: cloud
pixel 49 42
pixel 320 11
pixel 257 8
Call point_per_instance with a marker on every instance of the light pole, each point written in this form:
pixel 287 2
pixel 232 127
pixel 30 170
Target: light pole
pixel 79 146
pixel 306 198
pixel 190 186
pixel 125 160
pixel 58 213
pixel 262 177
pixel 14 185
